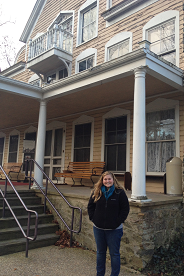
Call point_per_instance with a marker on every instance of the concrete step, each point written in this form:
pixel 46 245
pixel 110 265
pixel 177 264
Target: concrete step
pixel 19 210
pixel 13 201
pixel 22 193
pixel 10 221
pixel 16 233
pixel 18 245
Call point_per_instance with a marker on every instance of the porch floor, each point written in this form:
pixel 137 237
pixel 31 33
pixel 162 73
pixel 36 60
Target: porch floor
pixel 153 192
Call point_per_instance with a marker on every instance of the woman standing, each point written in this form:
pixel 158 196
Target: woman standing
pixel 108 208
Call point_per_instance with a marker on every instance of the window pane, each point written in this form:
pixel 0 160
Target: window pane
pixel 82 142
pixel 48 143
pixel 85 34
pixel 58 142
pixel 1 144
pixel 115 143
pixel 82 65
pixel 12 157
pixel 163 38
pixel 160 125
pixel 171 57
pixel 121 160
pixel 13 143
pixel 89 62
pixel 119 49
pixel 110 157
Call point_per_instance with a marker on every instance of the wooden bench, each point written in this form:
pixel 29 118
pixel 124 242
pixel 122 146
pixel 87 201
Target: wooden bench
pixel 82 170
pixel 11 168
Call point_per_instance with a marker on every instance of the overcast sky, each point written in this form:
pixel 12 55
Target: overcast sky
pixel 17 11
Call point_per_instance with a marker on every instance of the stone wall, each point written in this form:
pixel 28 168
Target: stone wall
pixel 148 226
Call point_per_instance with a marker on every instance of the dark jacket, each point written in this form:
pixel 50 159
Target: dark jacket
pixel 109 214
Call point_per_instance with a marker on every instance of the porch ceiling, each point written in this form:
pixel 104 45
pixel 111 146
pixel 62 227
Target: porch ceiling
pixel 18 110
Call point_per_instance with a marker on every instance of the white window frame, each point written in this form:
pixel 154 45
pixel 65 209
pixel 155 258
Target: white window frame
pixel 117 112
pixel 120 37
pixel 109 4
pixel 159 105
pixel 160 19
pixel 84 8
pixel 84 55
pixel 84 119
pixel 12 133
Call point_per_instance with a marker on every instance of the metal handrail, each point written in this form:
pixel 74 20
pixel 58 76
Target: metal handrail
pixel 5 202
pixel 31 161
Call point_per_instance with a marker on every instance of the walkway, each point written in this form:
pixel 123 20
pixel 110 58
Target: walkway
pixel 53 261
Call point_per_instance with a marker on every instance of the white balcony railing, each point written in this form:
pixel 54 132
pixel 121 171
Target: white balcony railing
pixel 56 37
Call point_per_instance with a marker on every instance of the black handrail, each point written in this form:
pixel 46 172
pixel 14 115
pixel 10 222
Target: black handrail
pixel 29 168
pixel 5 202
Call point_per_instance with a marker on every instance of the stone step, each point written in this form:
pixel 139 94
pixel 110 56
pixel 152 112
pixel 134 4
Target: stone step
pixel 16 233
pixel 13 201
pixel 22 193
pixel 19 210
pixel 10 221
pixel 18 245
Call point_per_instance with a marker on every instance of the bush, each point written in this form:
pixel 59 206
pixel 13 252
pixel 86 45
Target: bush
pixel 167 261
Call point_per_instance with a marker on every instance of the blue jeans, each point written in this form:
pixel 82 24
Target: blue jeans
pixel 111 239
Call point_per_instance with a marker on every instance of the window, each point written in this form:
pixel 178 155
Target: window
pixel 87 21
pixel 89 24
pixel 115 143
pixel 82 142
pixel 118 50
pixel 163 33
pixel 162 40
pixel 51 78
pixel 86 60
pixel 67 26
pixel 13 148
pixel 1 150
pixel 63 73
pixel 118 45
pixel 86 64
pixel 29 154
pixel 160 137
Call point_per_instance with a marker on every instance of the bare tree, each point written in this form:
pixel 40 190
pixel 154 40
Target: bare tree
pixel 7 48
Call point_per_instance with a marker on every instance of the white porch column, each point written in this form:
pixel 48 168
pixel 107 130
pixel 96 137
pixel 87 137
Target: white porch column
pixel 138 163
pixel 40 144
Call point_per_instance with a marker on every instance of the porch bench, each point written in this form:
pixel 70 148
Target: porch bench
pixel 11 169
pixel 82 170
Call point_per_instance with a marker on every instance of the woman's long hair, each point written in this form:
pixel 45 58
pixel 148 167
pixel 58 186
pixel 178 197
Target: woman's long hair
pixel 97 193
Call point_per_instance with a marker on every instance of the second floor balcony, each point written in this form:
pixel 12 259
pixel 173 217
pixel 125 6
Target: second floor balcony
pixel 50 50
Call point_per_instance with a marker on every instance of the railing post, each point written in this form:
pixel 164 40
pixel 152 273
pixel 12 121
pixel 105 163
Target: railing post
pixel 55 35
pixel 30 46
pixel 5 190
pixel 71 231
pixel 28 231
pixel 45 196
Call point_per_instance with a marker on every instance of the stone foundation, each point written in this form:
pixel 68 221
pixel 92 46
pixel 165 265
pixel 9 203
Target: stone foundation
pixel 148 226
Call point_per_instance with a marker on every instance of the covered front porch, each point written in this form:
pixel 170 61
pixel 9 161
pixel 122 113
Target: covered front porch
pixel 125 86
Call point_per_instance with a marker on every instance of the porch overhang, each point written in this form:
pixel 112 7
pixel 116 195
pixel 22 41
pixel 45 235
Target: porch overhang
pixel 49 61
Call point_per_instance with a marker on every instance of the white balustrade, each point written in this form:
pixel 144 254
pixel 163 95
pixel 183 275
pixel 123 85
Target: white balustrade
pixel 54 38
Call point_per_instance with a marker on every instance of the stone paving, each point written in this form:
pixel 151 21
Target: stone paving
pixel 53 261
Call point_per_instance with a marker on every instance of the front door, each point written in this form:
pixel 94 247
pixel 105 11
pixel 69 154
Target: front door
pixel 53 152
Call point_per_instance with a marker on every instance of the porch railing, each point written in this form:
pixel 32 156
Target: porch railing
pixel 54 38
pixel 29 168
pixel 6 203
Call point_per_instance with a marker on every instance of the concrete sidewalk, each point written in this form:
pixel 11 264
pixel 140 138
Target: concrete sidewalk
pixel 53 261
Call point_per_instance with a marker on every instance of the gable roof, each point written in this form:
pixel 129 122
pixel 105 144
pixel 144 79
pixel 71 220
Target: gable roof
pixel 38 7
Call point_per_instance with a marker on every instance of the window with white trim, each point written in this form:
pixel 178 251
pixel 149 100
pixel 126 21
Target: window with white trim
pixel 118 50
pixel 118 45
pixel 87 21
pixel 86 63
pixel 86 60
pixel 162 38
pixel 163 33
pixel 162 133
